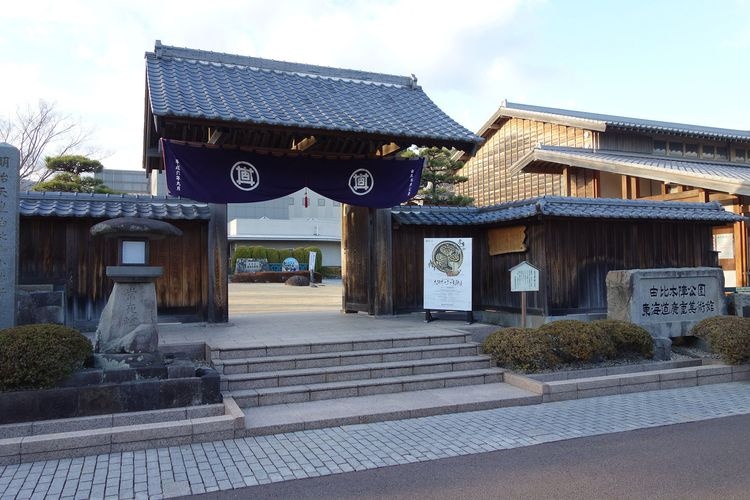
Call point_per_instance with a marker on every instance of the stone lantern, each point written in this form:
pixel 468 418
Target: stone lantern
pixel 128 324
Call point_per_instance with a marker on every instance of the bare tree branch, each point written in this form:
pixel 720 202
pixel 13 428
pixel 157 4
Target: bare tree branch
pixel 40 132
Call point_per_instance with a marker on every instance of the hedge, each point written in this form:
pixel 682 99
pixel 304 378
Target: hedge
pixel 273 255
pixel 39 356
pixel 727 336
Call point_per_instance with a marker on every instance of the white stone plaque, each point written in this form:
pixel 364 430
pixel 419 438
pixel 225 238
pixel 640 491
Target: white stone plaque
pixel 447 274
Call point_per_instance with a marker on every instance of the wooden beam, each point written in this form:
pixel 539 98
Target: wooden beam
pixel 566 181
pixel 388 149
pixel 625 188
pixel 304 144
pixel 215 135
pixel 635 190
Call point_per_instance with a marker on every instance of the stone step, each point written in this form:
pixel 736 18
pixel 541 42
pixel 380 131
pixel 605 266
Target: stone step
pixel 381 407
pixel 355 345
pixel 343 358
pixel 353 388
pixel 308 376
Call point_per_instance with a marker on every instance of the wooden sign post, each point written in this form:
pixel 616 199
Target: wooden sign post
pixel 524 278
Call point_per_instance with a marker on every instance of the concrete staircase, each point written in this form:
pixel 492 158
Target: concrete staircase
pixel 311 372
pixel 285 387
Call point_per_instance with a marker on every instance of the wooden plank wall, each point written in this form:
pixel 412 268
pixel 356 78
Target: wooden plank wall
pixel 574 257
pixel 356 229
pixel 61 252
pixel 489 182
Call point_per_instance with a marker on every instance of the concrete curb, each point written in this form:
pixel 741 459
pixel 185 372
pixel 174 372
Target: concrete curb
pixel 703 372
pixel 75 437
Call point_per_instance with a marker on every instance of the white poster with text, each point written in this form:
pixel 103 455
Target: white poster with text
pixel 447 274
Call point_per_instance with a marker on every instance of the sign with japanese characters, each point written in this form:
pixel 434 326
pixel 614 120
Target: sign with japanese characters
pixel 447 274
pixel 677 299
pixel 666 302
pixel 9 160
pixel 524 278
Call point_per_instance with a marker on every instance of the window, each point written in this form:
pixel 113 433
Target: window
pixel 691 150
pixel 708 152
pixel 290 201
pixel 721 152
pixel 660 147
pixel 675 149
pixel 321 202
pixel 739 154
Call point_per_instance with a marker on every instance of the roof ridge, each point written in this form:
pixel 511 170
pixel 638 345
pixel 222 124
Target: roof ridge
pixel 166 51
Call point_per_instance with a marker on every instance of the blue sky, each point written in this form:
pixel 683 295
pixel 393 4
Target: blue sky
pixel 682 61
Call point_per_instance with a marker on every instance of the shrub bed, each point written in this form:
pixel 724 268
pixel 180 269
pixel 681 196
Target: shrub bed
pixel 567 341
pixel 272 277
pixel 39 356
pixel 727 336
pixel 626 338
pixel 521 348
pixel 273 255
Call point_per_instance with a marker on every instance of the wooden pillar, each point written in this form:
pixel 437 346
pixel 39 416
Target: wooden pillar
pixel 566 181
pixel 740 248
pixel 382 261
pixel 218 253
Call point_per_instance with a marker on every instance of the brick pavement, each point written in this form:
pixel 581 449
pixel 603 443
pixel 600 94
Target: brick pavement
pixel 220 465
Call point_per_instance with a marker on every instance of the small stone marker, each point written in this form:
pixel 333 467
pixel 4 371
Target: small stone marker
pixel 666 302
pixel 9 162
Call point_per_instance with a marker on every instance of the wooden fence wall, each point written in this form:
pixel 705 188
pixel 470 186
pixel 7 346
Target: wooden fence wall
pixel 61 252
pixel 573 255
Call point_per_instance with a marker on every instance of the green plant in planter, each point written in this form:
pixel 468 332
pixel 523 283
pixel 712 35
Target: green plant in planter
pixel 39 356
pixel 522 348
pixel 576 341
pixel 727 336
pixel 627 338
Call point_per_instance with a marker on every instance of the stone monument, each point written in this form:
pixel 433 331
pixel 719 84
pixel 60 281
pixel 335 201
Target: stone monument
pixel 9 162
pixel 128 324
pixel 666 302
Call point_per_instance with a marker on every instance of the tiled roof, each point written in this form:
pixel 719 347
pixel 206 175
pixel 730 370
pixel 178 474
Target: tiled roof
pixel 727 177
pixel 621 122
pixel 556 206
pixel 207 85
pixel 52 204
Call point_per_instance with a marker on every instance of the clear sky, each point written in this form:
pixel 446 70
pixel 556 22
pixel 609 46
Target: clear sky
pixel 683 60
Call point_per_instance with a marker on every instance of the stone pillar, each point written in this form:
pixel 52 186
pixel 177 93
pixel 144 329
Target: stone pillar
pixel 9 163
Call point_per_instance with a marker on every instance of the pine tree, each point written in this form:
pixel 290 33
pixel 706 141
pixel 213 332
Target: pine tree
pixel 68 177
pixel 440 177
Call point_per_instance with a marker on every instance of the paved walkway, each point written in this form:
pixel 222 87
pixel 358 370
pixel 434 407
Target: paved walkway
pixel 181 470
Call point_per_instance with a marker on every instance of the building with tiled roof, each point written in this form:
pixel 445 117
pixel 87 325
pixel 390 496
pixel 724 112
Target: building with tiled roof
pixel 532 151
pixel 289 108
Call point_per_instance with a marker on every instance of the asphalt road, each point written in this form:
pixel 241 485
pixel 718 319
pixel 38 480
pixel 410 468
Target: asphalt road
pixel 701 460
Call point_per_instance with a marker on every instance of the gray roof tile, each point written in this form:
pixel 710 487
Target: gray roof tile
pixel 555 206
pixel 208 85
pixel 730 177
pixel 107 206
pixel 638 124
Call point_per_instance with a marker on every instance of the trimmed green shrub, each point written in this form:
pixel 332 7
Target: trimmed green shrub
pixel 521 348
pixel 240 253
pixel 272 255
pixel 627 338
pixel 576 341
pixel 39 356
pixel 330 271
pixel 727 336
